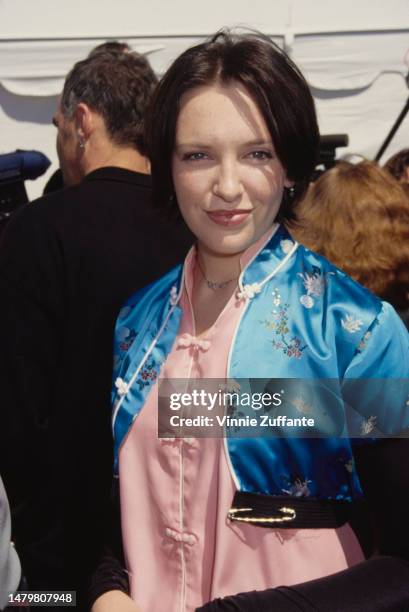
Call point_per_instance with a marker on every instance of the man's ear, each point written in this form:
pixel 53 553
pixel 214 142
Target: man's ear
pixel 84 123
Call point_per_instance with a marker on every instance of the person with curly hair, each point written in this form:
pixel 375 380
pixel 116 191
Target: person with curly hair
pixel 357 216
pixel 398 165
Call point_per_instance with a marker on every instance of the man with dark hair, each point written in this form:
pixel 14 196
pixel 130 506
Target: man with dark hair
pixel 67 262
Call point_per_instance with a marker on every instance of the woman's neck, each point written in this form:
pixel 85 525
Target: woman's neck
pixel 214 282
pixel 218 269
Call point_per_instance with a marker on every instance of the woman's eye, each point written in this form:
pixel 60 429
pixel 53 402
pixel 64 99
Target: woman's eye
pixel 260 155
pixel 195 156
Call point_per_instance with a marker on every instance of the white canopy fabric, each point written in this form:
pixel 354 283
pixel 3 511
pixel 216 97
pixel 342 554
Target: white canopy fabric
pixel 352 54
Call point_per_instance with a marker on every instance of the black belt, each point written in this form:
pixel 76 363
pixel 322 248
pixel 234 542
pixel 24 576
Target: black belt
pixel 285 512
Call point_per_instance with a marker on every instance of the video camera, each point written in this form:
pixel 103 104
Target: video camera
pixel 15 168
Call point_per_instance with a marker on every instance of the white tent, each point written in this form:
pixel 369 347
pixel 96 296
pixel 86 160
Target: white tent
pixel 352 54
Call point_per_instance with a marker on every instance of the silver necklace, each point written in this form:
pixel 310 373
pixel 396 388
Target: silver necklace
pixel 213 284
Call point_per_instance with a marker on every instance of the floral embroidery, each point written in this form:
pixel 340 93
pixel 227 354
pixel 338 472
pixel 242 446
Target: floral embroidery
pixel 364 342
pixel 351 325
pixel 286 246
pixel 307 301
pixel 148 375
pixel 298 487
pixel 368 425
pixel 314 283
pixel 292 347
pixel 231 386
pixel 276 297
pixel 302 406
pixel 126 337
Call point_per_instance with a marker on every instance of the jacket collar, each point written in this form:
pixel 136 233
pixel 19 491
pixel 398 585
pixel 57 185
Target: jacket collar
pixel 273 252
pixel 122 175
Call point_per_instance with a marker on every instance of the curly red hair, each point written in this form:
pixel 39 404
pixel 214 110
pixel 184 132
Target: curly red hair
pixel 357 216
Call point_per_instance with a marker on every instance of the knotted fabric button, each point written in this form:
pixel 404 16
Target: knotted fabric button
pixel 249 291
pixel 188 341
pixel 122 386
pixel 181 536
pixel 173 295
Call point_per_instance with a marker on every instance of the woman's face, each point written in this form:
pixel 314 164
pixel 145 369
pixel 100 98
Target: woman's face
pixel 228 180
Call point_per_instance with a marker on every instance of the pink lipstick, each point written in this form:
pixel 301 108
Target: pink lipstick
pixel 228 218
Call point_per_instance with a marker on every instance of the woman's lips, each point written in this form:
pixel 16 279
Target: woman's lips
pixel 228 217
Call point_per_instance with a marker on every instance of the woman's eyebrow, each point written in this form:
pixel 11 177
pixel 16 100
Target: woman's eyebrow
pixel 259 142
pixel 199 145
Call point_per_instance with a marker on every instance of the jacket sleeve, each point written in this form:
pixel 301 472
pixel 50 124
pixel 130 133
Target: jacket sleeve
pixel 378 584
pixel 382 582
pixel 109 573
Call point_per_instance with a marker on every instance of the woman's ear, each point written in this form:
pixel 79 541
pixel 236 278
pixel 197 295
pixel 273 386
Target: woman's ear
pixel 288 183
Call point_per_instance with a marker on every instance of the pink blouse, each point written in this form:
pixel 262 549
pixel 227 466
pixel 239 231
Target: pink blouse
pixel 181 549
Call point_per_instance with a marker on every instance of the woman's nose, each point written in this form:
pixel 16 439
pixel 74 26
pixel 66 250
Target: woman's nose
pixel 227 184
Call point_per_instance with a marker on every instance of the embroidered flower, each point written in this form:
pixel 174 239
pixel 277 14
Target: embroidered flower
pixel 148 375
pixel 121 386
pixel 302 406
pixel 249 291
pixel 173 296
pixel 292 347
pixel 307 301
pixel 314 282
pixel 286 245
pixel 298 488
pixel 127 336
pixel 276 297
pixel 364 341
pixel 231 386
pixel 351 325
pixel 368 425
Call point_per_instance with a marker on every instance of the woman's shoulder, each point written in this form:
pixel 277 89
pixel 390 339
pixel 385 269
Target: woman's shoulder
pixel 319 276
pixel 157 290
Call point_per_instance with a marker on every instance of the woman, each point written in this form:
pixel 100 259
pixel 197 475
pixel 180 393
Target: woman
pixel 357 216
pixel 233 140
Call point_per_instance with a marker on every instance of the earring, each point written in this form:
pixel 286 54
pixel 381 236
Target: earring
pixel 291 192
pixel 81 142
pixel 172 199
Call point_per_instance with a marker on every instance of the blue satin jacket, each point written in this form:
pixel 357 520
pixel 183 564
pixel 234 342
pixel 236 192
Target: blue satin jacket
pixel 303 318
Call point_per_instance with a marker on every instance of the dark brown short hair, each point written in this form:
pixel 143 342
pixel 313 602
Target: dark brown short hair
pixel 275 84
pixel 111 46
pixel 119 87
pixel 357 216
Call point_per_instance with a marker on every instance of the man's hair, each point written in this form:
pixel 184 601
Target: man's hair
pixel 357 216
pixel 118 87
pixel 111 46
pixel 276 86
